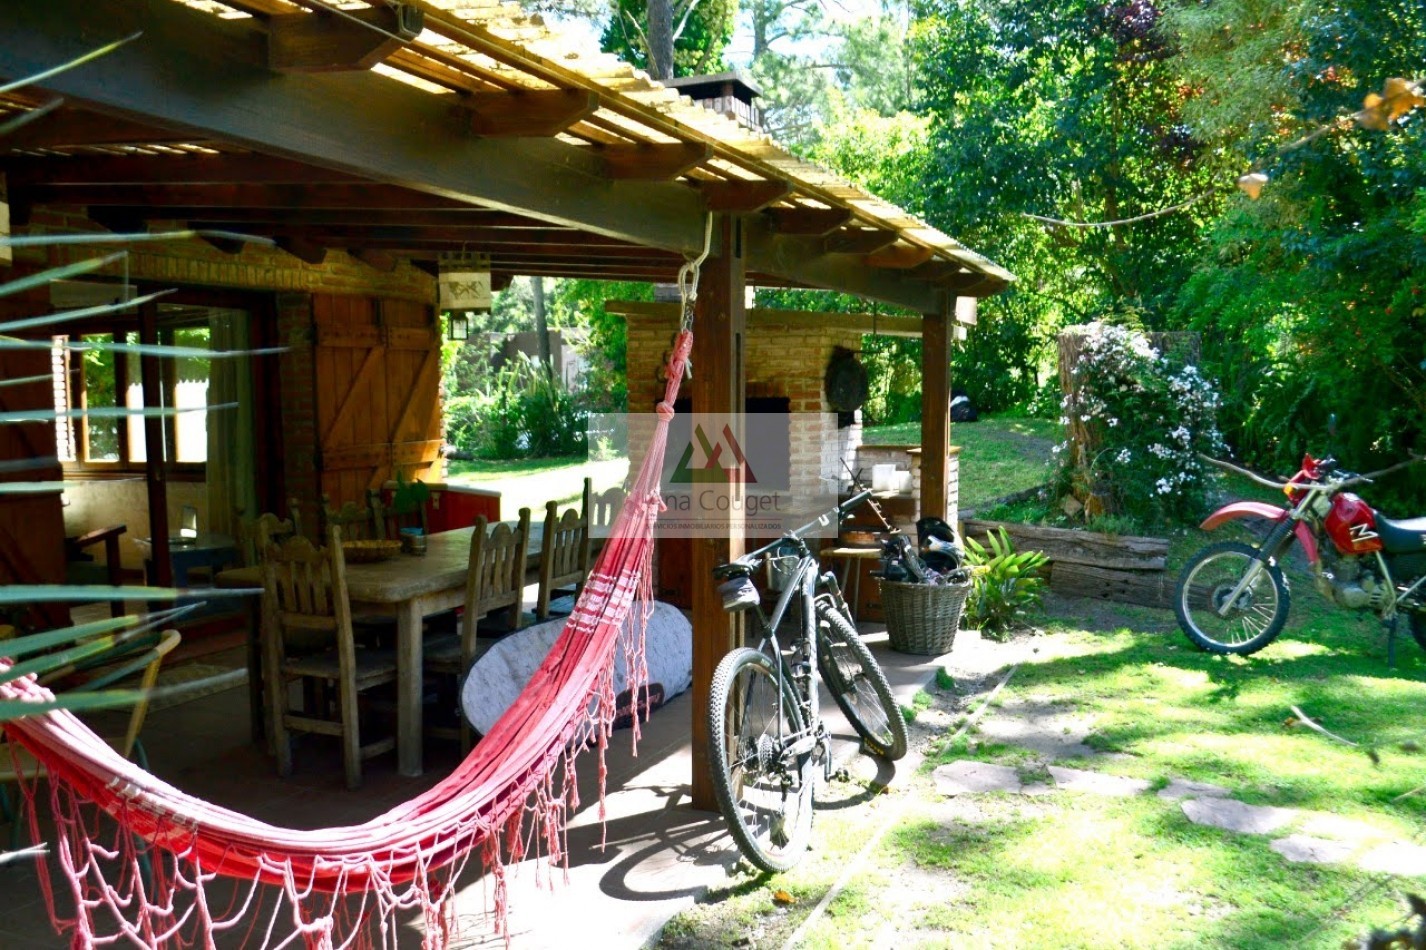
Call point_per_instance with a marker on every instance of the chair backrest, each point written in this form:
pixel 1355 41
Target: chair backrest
pixel 564 554
pixel 604 509
pixel 495 576
pixel 254 535
pixel 357 524
pixel 305 590
pixel 391 518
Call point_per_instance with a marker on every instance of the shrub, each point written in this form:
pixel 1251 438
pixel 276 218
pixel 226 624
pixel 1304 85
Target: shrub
pixel 523 412
pixel 1005 584
pixel 1142 421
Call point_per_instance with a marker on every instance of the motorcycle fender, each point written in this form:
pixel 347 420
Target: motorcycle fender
pixel 1257 509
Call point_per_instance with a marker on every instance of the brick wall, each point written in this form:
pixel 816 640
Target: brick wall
pixel 784 360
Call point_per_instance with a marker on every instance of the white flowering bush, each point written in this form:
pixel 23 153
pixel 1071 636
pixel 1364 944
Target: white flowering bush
pixel 1136 423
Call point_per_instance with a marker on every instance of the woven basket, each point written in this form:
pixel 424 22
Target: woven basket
pixel 922 618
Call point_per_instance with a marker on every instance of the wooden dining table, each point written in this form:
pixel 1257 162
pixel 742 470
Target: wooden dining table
pixel 413 587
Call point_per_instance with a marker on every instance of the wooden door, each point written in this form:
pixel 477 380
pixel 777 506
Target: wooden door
pixel 31 525
pixel 377 379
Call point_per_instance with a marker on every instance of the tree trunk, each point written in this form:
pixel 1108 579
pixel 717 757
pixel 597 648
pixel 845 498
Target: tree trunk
pixel 542 325
pixel 660 34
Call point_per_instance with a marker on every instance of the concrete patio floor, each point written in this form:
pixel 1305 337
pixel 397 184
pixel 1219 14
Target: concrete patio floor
pixel 658 855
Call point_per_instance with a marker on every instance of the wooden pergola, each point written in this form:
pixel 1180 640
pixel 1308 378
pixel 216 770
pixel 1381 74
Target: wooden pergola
pixel 407 130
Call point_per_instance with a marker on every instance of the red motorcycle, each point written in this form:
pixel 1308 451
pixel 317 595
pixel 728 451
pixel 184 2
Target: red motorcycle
pixel 1233 598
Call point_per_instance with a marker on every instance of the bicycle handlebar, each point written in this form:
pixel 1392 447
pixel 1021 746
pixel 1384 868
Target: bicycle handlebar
pixel 838 512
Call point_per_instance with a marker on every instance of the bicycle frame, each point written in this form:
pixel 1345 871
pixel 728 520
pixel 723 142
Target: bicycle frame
pixel 804 582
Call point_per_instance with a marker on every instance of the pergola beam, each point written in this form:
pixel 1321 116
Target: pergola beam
pixel 354 122
pixel 537 112
pixel 114 170
pixel 743 197
pixel 816 222
pixel 858 240
pixel 75 127
pixel 802 260
pixel 332 42
pixel 334 197
pixel 649 162
pixel 464 216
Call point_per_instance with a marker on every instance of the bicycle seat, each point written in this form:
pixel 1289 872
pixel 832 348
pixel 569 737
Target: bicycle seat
pixel 733 569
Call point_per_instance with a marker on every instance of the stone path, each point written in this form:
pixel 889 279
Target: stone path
pixel 1314 837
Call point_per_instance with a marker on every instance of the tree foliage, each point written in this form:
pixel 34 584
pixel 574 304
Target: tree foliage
pixel 1311 298
pixel 701 31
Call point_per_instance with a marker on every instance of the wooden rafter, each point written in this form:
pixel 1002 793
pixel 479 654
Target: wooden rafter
pixel 333 42
pixel 540 112
pixel 303 249
pixel 464 216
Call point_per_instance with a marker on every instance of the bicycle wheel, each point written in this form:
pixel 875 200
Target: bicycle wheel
pixel 766 799
pixel 1252 621
pixel 858 685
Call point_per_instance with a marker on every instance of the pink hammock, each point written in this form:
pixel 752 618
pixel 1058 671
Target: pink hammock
pixel 340 887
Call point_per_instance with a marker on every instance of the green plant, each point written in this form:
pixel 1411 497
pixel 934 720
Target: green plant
pixel 1005 584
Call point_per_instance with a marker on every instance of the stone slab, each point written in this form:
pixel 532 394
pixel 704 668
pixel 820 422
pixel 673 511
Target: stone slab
pixel 1305 849
pixel 1232 815
pixel 1097 783
pixel 1408 860
pixel 965 777
pixel 1183 788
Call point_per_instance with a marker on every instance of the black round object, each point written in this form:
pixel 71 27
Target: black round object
pixel 846 381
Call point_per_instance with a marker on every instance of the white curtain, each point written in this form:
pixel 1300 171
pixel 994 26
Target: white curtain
pixel 232 468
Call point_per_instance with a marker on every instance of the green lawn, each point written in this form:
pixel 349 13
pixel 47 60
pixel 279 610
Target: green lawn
pixel 1073 870
pixel 998 455
pixel 529 483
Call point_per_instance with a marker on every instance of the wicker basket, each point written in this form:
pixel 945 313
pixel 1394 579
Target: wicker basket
pixel 922 618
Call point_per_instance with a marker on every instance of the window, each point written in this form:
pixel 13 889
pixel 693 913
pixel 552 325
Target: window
pixel 93 379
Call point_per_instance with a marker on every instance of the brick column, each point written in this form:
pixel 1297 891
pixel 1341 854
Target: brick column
pixel 299 405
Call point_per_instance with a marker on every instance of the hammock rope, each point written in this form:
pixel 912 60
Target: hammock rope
pixel 348 886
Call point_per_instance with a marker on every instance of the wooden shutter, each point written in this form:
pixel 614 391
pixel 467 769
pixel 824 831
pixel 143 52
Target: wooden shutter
pixel 31 526
pixel 377 380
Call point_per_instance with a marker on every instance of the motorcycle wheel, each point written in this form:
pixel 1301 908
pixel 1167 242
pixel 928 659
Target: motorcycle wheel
pixel 1209 578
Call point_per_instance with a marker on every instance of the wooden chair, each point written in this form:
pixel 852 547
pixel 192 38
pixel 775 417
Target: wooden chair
pixel 255 534
pixel 305 591
pixel 357 524
pixel 494 580
pixel 564 554
pixel 142 657
pixel 390 518
pixel 605 509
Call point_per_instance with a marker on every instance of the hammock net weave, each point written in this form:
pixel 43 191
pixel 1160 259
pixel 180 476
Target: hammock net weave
pixel 232 880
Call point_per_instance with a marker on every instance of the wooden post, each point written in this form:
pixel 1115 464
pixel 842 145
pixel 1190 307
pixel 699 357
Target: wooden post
pixel 718 385
pixel 153 448
pixel 935 411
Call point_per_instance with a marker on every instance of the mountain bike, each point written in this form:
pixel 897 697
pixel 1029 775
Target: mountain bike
pixel 766 734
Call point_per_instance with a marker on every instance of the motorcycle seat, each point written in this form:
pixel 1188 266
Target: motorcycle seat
pixel 1407 536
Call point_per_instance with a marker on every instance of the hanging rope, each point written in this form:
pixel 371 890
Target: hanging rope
pixel 344 887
